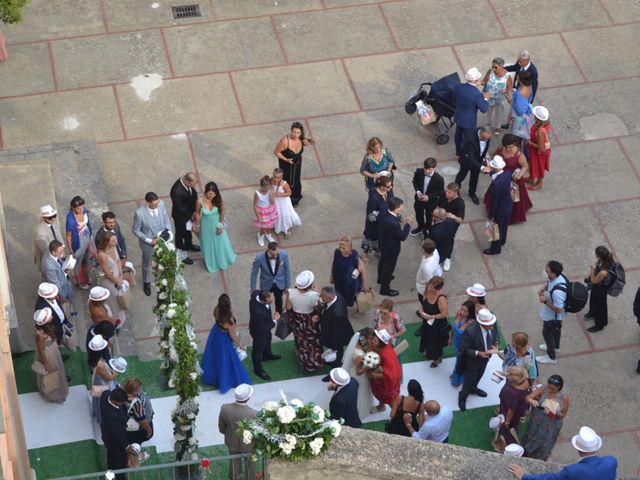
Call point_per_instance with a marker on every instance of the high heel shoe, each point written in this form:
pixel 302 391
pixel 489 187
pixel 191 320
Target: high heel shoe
pixel 535 186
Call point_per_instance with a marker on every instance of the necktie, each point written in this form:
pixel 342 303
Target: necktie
pixel 484 337
pixel 53 232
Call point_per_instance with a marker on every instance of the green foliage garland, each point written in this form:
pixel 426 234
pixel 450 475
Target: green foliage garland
pixel 11 10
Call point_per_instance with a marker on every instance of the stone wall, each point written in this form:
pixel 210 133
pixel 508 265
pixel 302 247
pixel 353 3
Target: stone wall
pixel 367 455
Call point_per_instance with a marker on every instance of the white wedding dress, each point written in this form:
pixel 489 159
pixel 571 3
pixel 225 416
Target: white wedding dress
pixel 364 391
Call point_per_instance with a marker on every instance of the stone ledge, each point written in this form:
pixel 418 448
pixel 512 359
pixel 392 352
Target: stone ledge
pixel 365 454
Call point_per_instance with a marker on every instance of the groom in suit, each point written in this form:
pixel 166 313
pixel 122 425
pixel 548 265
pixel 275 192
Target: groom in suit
pixel 335 328
pixel 274 270
pixel 392 234
pixel 148 221
pixel 344 402
pixel 501 203
pixel 183 204
pixel 479 342
pixel 260 325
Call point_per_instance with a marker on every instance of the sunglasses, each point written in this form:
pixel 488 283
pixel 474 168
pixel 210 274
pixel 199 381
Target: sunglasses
pixel 554 381
pixel 51 217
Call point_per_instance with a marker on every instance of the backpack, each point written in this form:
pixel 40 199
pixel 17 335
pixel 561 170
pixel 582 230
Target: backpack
pixel 617 280
pixel 577 295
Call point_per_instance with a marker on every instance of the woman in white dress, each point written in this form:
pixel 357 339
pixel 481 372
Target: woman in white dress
pixel 352 357
pixel 287 215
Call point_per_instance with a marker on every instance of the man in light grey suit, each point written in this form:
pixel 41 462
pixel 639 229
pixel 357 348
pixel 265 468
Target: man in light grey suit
pixel 44 232
pixel 52 271
pixel 148 221
pixel 230 415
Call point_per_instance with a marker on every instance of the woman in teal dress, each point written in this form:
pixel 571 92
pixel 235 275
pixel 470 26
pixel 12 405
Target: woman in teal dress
pixel 377 159
pixel 209 224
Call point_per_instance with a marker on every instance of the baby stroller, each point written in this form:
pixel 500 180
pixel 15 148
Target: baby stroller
pixel 441 98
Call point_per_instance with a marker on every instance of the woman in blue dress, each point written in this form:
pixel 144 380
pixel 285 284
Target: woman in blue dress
pixel 377 159
pixel 521 110
pixel 378 204
pixel 210 225
pixel 221 364
pixel 464 317
pixel 347 271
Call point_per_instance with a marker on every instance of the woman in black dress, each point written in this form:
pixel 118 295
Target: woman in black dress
pixel 599 279
pixel 435 327
pixel 378 204
pixel 410 404
pixel 289 152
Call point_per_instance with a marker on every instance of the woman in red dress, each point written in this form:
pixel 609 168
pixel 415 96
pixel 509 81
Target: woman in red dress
pixel 385 384
pixel 514 159
pixel 539 147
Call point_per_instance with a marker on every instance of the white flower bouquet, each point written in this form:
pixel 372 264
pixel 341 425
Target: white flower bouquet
pixel 371 360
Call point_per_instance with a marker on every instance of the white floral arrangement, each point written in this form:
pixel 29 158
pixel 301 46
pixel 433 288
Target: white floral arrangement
pixel 371 360
pixel 293 430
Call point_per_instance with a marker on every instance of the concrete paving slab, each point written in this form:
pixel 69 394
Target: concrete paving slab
pixel 340 3
pixel 419 24
pixel 630 146
pixel 520 19
pixel 27 70
pixel 128 15
pixel 44 19
pixel 122 57
pixel 531 245
pixel 603 53
pixel 342 140
pixel 396 76
pixel 226 9
pixel 60 117
pixel 154 164
pixel 218 47
pixel 305 37
pixel 622 11
pixel 616 220
pixel 180 105
pixel 294 91
pixel 548 52
pixel 573 108
pixel 241 156
pixel 560 190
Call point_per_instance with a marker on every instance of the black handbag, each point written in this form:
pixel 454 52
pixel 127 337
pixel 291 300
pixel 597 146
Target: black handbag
pixel 283 329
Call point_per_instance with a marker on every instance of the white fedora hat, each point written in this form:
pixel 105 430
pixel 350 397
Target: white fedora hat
pixel 383 335
pixel 497 162
pixel 243 392
pixel 586 440
pixel 98 343
pixel 476 290
pixel 119 364
pixel 485 317
pixel 47 211
pixel 305 279
pixel 541 113
pixel 42 316
pixel 513 450
pixel 97 294
pixel 473 74
pixel 47 290
pixel 339 376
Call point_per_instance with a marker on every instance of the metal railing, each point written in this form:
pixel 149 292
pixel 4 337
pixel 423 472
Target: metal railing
pixel 216 468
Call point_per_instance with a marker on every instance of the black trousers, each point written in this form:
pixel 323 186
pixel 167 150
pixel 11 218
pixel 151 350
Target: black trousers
pixel 116 460
pixel 291 173
pixel 183 237
pixel 474 174
pixel 551 330
pixel 277 296
pixel 423 212
pixel 386 266
pixel 598 305
pixel 261 350
pixel 472 375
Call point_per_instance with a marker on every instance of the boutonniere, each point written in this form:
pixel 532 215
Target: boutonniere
pixel 280 263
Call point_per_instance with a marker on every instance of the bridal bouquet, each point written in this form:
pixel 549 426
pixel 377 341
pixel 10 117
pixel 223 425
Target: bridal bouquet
pixel 371 360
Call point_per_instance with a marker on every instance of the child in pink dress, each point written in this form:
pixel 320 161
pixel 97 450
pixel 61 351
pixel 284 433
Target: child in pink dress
pixel 264 206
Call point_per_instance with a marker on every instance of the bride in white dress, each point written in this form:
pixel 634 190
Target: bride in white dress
pixel 287 215
pixel 353 351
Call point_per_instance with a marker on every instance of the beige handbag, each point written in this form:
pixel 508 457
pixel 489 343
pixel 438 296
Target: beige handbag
pixel 51 381
pixel 492 230
pixel 515 192
pixel 365 300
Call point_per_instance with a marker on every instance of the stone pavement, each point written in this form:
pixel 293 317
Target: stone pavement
pixel 228 85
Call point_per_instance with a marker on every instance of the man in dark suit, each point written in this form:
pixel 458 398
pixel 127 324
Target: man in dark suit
pixel 48 297
pixel 479 342
pixel 344 402
pixel 429 188
pixel 230 415
pixel 501 203
pixel 524 64
pixel 392 234
pixel 469 99
pixel 471 159
pixel 109 224
pixel 335 328
pixel 114 429
pixel 260 325
pixel 274 270
pixel 443 232
pixel 183 204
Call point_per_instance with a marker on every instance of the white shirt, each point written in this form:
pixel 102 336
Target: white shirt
pixel 187 188
pixel 303 302
pixel 495 175
pixel 327 305
pixel 427 179
pixel 272 262
pixel 558 299
pixel 153 211
pixel 429 268
pixel 435 428
pixel 483 143
pixel 56 307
